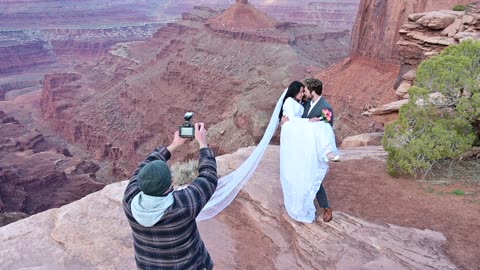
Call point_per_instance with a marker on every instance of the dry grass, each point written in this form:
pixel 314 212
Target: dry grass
pixel 184 172
pixel 450 171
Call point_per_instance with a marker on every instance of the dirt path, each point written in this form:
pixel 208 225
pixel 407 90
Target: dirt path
pixel 363 189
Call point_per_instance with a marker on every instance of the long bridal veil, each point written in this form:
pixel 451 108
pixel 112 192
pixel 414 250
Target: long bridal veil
pixel 230 184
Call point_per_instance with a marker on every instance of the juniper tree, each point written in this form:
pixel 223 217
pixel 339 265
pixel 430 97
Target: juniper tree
pixel 433 127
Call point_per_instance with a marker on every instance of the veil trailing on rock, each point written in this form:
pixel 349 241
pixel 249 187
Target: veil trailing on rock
pixel 230 184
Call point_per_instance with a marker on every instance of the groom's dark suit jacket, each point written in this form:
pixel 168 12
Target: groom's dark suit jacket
pixel 317 109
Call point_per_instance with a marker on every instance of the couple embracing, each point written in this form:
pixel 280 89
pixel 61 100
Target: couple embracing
pixel 307 143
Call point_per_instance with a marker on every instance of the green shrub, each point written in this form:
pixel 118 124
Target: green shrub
pixel 184 172
pixel 459 8
pixel 458 192
pixel 432 129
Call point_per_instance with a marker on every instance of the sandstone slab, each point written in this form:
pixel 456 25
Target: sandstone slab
pixel 388 108
pixel 452 29
pixel 93 233
pixel 402 90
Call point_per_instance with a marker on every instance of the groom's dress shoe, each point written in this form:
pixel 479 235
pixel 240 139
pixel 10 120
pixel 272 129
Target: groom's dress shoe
pixel 333 159
pixel 327 214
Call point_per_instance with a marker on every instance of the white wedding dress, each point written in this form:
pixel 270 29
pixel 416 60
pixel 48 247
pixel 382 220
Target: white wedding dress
pixel 303 146
pixel 297 136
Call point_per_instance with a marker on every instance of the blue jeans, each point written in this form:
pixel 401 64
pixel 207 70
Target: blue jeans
pixel 322 198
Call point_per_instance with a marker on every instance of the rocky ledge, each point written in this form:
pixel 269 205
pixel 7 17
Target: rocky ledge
pixel 93 232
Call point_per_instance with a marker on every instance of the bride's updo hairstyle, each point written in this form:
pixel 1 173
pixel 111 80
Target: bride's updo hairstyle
pixel 292 91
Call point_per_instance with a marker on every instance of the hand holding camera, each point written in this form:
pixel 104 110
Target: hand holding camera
pixel 177 141
pixel 188 130
pixel 201 135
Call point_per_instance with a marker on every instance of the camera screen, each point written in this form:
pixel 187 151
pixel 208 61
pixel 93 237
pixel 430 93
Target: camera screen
pixel 186 131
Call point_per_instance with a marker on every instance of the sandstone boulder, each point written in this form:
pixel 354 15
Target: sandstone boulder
pixel 386 113
pixel 437 20
pixel 363 140
pixel 415 16
pixel 402 90
pixel 410 75
pixel 387 108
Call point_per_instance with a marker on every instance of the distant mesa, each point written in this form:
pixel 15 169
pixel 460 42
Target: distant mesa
pixel 243 16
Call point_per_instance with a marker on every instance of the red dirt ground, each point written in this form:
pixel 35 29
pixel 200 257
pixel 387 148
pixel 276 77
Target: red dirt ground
pixel 375 196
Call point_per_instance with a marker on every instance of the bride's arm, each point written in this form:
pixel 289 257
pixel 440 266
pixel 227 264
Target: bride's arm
pixel 289 110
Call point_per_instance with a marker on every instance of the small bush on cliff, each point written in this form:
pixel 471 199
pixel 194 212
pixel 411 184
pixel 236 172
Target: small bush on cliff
pixel 185 172
pixel 459 8
pixel 433 127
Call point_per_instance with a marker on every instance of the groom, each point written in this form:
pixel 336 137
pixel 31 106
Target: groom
pixel 313 106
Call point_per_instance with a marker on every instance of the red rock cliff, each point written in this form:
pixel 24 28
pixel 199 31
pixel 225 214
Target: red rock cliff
pixel 376 29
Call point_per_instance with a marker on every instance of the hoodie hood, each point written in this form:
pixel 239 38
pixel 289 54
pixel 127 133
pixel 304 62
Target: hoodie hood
pixel 148 210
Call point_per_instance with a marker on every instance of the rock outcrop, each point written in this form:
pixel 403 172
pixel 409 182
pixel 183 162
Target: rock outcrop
pixel 93 233
pixel 427 34
pixel 374 70
pixel 360 140
pixel 36 175
pixel 377 26
pixel 421 35
pixel 17 57
pixel 243 16
pixel 30 50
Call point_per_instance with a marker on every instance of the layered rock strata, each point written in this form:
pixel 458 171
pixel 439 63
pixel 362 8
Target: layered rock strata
pixel 386 34
pixel 17 57
pixel 427 34
pixel 23 50
pixel 35 175
pixel 378 23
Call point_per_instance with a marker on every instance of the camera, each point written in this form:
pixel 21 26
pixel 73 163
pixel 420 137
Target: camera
pixel 187 130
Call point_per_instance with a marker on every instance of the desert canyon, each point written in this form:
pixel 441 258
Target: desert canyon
pixel 86 93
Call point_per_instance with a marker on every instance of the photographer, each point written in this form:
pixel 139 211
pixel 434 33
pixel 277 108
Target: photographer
pixel 165 233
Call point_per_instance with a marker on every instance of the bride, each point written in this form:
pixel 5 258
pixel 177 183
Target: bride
pixel 303 146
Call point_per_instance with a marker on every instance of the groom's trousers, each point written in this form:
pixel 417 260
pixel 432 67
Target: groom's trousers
pixel 322 198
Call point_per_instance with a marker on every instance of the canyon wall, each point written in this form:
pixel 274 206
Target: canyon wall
pixel 378 23
pixel 134 98
pixel 375 51
pixel 36 175
pixel 17 57
pixel 23 50
pixel 332 15
pixel 71 14
pixel 40 36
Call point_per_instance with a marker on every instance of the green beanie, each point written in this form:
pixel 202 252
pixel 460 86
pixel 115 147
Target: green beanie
pixel 155 178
